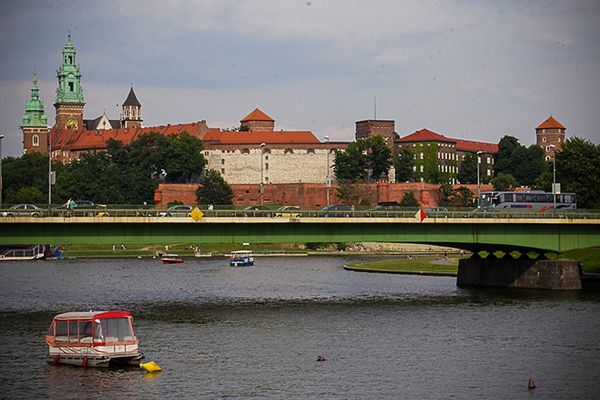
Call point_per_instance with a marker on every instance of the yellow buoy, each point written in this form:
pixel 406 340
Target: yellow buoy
pixel 151 366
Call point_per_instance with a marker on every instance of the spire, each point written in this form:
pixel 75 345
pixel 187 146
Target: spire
pixel 69 77
pixel 34 108
pixel 131 99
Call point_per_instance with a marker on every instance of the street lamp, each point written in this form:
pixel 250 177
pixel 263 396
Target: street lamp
pixel 478 189
pixel 49 171
pixel 327 179
pixel 261 188
pixel 553 147
pixel 1 137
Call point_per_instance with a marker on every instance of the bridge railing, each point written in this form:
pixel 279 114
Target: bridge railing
pixel 307 213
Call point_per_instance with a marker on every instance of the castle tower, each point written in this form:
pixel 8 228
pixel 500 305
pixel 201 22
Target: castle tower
pixel 550 132
pixel 376 127
pixel 131 116
pixel 35 123
pixel 69 94
pixel 257 121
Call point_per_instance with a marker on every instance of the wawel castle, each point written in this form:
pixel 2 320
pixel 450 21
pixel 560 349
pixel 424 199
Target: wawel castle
pixel 258 151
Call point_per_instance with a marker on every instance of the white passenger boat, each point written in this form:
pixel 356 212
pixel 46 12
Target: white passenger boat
pixel 241 258
pixel 93 339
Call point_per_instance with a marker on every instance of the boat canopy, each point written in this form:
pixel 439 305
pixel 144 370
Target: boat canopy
pixel 242 252
pixel 91 329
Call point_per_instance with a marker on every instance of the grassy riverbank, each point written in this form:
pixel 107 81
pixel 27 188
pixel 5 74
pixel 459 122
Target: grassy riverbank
pixel 589 257
pixel 417 266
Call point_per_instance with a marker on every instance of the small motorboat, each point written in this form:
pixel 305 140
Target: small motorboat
pixel 241 258
pixel 93 339
pixel 171 259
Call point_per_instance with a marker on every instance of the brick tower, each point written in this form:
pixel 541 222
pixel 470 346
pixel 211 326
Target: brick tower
pixel 550 132
pixel 257 121
pixel 35 123
pixel 69 94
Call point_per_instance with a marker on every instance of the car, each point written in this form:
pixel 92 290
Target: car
pixel 23 210
pixel 288 212
pixel 338 210
pixel 436 212
pixel 255 211
pixel 179 210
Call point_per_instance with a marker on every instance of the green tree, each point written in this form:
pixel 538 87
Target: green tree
pixel 403 164
pixel 577 166
pixel 525 164
pixel 214 189
pixel 183 159
pixel 378 156
pixel 26 194
pixel 353 194
pixel 21 174
pixel 503 181
pixel 409 200
pixel 467 173
pixel 445 193
pixel 506 148
pixel 350 165
pixel 370 153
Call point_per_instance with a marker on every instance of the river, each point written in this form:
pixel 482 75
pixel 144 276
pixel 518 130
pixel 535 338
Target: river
pixel 256 332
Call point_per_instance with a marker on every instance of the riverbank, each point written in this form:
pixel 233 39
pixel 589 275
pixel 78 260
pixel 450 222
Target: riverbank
pixel 409 266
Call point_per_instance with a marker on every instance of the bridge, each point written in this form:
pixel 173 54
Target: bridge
pixel 464 230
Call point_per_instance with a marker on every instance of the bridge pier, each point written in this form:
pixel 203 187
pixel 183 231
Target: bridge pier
pixel 521 273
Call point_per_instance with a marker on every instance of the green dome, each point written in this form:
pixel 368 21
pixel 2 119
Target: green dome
pixel 34 108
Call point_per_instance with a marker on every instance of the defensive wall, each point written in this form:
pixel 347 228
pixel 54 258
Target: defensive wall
pixel 309 194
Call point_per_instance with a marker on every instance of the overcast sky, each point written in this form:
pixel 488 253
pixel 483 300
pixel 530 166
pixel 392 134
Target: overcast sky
pixel 467 69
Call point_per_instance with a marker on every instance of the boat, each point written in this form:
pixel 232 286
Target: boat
pixel 93 339
pixel 171 259
pixel 241 258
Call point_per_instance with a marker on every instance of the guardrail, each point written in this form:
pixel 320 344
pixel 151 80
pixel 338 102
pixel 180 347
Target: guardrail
pixel 230 213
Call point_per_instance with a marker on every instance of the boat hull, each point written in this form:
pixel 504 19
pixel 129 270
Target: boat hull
pixel 94 361
pixel 172 261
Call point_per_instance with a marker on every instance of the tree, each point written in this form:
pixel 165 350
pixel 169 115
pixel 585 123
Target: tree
pixel 183 159
pixel 370 153
pixel 214 189
pixel 577 166
pixel 503 181
pixel 403 164
pixel 506 148
pixel 525 164
pixel 349 165
pixel 450 197
pixel 22 174
pixel 353 193
pixel 409 200
pixel 467 173
pixel 378 156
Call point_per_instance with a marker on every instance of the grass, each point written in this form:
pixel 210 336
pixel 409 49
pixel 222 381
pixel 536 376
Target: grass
pixel 590 258
pixel 423 266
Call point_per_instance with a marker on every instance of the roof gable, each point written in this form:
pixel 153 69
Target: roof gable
pixel 425 135
pixel 131 99
pixel 257 115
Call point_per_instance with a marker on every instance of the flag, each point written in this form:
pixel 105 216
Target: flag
pixel 420 215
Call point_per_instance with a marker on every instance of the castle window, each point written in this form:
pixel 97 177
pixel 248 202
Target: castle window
pixel 421 156
pixel 222 171
pixel 421 168
pixel 266 179
pixel 35 140
pixel 245 151
pixel 310 151
pixel 71 86
pixel 267 166
pixel 70 59
pixel 544 139
pixel 288 151
pixel 206 153
pixel 222 161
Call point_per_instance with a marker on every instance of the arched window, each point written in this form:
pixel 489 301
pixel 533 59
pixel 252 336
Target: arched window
pixel 288 151
pixel 310 151
pixel 35 140
pixel 245 151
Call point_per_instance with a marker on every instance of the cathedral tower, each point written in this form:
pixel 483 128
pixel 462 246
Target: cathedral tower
pixel 35 123
pixel 131 116
pixel 548 133
pixel 69 94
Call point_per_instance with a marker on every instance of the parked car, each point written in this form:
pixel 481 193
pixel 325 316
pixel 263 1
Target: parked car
pixel 288 212
pixel 256 211
pixel 382 207
pixel 338 210
pixel 179 210
pixel 23 210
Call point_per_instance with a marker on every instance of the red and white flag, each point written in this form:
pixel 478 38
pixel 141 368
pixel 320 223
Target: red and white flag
pixel 420 215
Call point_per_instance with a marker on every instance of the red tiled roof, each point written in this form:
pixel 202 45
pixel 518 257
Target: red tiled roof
pixel 82 139
pixel 551 123
pixel 258 137
pixel 257 115
pixel 425 135
pixel 472 146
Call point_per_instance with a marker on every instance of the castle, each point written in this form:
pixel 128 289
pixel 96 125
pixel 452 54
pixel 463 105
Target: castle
pixel 257 152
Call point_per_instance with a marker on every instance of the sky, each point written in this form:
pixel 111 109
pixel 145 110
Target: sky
pixel 475 70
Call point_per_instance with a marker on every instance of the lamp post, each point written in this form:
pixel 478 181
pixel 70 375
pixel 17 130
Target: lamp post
pixel 1 137
pixel 327 179
pixel 49 171
pixel 553 147
pixel 478 189
pixel 261 187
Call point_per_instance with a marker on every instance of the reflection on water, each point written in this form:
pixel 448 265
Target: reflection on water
pixel 221 332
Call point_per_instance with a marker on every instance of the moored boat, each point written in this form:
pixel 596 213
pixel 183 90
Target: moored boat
pixel 93 339
pixel 241 258
pixel 171 259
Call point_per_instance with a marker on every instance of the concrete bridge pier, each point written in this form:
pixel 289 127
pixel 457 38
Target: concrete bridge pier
pixel 523 273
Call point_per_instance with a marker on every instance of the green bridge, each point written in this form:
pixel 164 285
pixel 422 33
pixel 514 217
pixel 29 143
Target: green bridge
pixel 474 233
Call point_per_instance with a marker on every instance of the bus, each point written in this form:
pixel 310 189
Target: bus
pixel 536 200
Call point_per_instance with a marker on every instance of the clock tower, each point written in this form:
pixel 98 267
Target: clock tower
pixel 69 94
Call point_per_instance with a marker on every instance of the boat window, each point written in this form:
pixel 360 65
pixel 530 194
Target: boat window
pixel 73 335
pixel 50 329
pixel 116 330
pixel 62 331
pixel 85 331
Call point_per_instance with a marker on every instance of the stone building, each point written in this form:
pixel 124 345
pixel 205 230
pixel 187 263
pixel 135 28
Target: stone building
pixel 550 136
pixel 377 127
pixel 263 154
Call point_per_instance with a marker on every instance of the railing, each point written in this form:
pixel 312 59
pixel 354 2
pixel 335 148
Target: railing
pixel 33 252
pixel 96 213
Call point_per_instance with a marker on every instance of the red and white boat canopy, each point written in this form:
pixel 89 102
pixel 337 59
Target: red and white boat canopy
pixel 91 315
